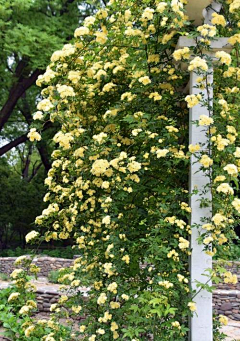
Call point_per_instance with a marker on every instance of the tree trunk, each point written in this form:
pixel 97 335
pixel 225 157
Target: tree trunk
pixel 15 93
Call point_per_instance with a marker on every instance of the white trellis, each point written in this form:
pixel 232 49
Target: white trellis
pixel 201 328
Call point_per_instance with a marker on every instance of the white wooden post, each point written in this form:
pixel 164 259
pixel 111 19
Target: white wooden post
pixel 207 14
pixel 201 324
pixel 201 328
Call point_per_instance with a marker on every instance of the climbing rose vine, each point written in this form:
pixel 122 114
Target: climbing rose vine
pixel 118 186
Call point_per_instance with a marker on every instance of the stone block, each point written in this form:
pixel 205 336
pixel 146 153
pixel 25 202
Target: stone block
pixel 226 306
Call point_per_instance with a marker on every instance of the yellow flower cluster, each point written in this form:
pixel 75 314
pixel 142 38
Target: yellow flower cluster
pixel 13 296
pixel 33 135
pixel 183 243
pixel 218 19
pixel 45 105
pixel 207 240
pixel 206 161
pixel 236 204
pixel 234 39
pixel 126 259
pixel 181 54
pixel 102 298
pixel 231 169
pixel 204 120
pixel 46 77
pixel 194 149
pixel 161 152
pixel 155 96
pixel 100 167
pixel 192 306
pixel 63 139
pixel 112 287
pixel 145 80
pixel 223 319
pixel 173 254
pixel 230 278
pixel 185 207
pixel 225 188
pixel 234 6
pixel 207 30
pixel 219 219
pixel 176 324
pixel 65 91
pixel 38 115
pixel 31 235
pixel 220 142
pixel 81 31
pixel 29 330
pixel 224 57
pixel 166 284
pixel 192 100
pixel 198 63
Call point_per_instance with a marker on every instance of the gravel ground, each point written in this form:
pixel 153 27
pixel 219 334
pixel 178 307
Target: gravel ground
pixel 232 330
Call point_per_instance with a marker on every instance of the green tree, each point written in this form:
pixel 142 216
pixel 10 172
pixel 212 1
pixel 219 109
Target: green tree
pixel 30 32
pixel 20 200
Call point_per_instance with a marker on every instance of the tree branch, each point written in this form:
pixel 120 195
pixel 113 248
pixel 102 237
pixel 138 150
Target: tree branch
pixel 15 93
pixel 42 149
pixel 26 163
pixel 24 138
pixel 13 144
pixel 65 7
pixel 20 67
pixel 41 146
pixel 34 171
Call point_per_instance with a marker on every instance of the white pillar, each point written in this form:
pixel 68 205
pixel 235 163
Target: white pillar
pixel 214 8
pixel 201 323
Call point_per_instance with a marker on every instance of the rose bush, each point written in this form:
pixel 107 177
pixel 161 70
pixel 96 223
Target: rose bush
pixel 119 180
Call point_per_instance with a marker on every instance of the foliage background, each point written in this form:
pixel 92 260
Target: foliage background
pixel 30 32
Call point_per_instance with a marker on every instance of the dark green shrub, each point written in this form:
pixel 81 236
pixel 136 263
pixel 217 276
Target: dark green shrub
pixel 63 252
pixel 53 276
pixel 3 276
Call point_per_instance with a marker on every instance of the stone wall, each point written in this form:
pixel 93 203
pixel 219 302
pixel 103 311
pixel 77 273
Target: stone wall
pixel 234 267
pixel 48 296
pixel 224 302
pixel 231 266
pixel 46 264
pixel 227 302
pixel 45 298
pixel 226 297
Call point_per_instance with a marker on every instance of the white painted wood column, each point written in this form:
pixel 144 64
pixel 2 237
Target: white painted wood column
pixel 201 323
pixel 201 328
pixel 207 14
